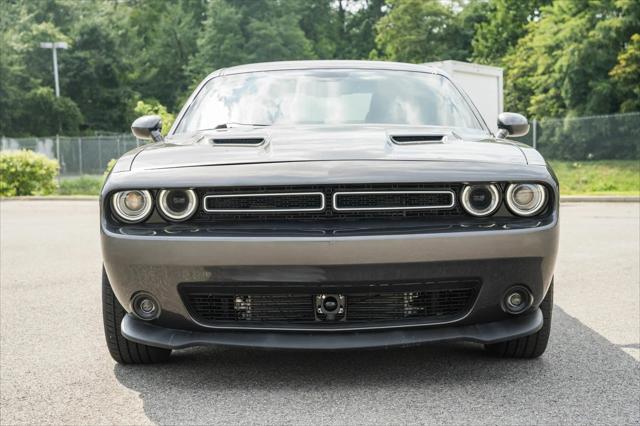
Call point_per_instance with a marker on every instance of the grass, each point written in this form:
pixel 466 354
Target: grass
pixel 613 177
pixel 606 177
pixel 80 185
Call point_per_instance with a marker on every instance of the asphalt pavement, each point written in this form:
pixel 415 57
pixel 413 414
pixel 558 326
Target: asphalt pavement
pixel 55 368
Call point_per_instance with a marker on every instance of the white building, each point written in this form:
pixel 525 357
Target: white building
pixel 482 83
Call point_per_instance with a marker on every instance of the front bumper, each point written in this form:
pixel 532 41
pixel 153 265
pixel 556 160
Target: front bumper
pixel 492 332
pixel 498 258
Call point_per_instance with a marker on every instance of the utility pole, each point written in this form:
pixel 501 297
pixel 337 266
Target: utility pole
pixel 54 46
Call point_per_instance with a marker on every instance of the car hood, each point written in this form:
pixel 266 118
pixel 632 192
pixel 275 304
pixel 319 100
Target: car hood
pixel 324 143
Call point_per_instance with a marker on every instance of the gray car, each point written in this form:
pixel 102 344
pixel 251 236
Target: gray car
pixel 328 205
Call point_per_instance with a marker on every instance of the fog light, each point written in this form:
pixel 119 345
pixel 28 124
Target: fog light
pixel 517 300
pixel 145 306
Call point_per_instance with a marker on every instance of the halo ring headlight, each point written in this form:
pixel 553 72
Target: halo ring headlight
pixel 526 199
pixel 132 206
pixel 480 200
pixel 177 205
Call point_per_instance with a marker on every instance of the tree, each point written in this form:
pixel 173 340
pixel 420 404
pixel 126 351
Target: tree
pixel 26 107
pixel 561 66
pixel 163 37
pixel 626 75
pixel 321 25
pixel 359 30
pixel 506 23
pixel 237 32
pixel 41 113
pixel 92 71
pixel 94 74
pixel 419 31
pixel 473 14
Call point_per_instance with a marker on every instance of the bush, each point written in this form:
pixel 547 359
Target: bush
pixel 86 184
pixel 153 107
pixel 81 185
pixel 27 173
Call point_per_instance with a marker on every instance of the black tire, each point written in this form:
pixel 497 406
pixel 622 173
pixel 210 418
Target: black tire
pixel 122 350
pixel 531 346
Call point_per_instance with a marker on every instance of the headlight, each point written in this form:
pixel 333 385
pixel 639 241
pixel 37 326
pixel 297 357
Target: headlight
pixel 526 199
pixel 481 200
pixel 132 206
pixel 177 205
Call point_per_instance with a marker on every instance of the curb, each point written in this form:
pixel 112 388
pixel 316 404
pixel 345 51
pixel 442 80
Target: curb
pixel 51 198
pixel 599 198
pixel 563 199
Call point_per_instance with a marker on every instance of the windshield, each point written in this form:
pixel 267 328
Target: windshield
pixel 331 97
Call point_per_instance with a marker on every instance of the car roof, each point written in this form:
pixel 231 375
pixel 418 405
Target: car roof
pixel 319 64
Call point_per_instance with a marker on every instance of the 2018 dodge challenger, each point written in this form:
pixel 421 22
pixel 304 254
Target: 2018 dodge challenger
pixel 328 205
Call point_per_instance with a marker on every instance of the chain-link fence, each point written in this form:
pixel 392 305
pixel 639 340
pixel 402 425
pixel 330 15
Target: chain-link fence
pixel 82 155
pixel 605 137
pixel 602 137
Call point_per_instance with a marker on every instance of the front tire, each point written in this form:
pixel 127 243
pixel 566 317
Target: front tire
pixel 531 346
pixel 124 351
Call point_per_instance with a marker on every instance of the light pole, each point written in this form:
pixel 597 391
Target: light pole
pixel 54 46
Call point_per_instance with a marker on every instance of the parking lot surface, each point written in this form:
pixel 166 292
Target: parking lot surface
pixel 55 368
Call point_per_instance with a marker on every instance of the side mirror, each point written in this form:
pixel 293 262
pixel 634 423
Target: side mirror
pixel 148 127
pixel 512 124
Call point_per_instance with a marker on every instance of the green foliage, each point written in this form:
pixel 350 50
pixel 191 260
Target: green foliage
pixel 237 32
pixel 626 74
pixel 163 38
pixel 561 66
pixel 82 185
pixel 356 30
pixel 86 184
pixel 95 75
pixel 27 173
pixel 420 31
pixel 110 165
pixel 598 177
pixel 321 25
pixel 153 107
pixel 42 114
pixel 506 24
pixel 561 57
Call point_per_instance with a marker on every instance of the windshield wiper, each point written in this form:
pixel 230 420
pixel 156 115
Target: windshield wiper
pixel 230 124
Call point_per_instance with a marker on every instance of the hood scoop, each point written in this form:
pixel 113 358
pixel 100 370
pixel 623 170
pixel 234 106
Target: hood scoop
pixel 416 139
pixel 238 141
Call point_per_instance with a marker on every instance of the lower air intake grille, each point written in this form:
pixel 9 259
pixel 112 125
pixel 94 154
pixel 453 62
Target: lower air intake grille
pixel 215 305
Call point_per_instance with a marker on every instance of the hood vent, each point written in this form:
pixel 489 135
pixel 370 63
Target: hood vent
pixel 238 141
pixel 416 139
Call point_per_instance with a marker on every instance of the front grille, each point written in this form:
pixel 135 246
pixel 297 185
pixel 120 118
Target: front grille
pixel 295 305
pixel 260 203
pixel 401 201
pixel 392 200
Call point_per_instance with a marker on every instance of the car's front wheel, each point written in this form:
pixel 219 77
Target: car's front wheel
pixel 531 346
pixel 122 350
